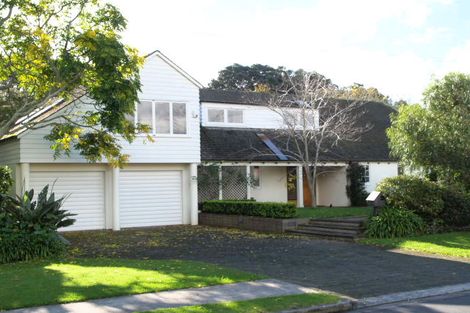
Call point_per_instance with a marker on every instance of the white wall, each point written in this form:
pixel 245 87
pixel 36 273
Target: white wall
pixel 378 171
pixel 160 82
pixel 273 184
pixel 331 188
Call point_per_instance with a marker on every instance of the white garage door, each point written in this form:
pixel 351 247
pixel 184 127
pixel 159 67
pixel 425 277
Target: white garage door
pixel 150 198
pixel 85 191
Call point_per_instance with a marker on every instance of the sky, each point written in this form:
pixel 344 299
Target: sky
pixel 397 46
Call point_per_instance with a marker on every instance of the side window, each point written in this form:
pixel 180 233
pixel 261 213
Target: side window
pixel 255 176
pixel 215 115
pixel 235 116
pixel 145 113
pixel 162 117
pixel 179 118
pixel 365 174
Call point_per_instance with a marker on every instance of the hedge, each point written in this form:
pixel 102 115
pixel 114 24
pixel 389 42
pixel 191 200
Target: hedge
pixel 250 208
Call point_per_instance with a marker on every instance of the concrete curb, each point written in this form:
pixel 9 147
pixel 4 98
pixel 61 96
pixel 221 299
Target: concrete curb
pixel 410 295
pixel 341 306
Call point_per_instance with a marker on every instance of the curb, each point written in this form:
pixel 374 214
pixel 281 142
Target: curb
pixel 341 306
pixel 409 295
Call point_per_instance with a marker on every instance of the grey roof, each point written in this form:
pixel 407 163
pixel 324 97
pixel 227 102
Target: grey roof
pixel 242 144
pixel 233 96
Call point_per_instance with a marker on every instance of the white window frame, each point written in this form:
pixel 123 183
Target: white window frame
pixel 366 173
pixel 252 171
pixel 154 118
pixel 225 122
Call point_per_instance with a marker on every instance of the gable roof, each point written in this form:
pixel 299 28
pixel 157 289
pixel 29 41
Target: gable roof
pixel 234 96
pixel 238 144
pixel 176 67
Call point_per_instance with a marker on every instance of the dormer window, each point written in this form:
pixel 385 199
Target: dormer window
pixel 225 116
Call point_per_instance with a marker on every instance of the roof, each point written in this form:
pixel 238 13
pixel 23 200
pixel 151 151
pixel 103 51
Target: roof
pixel 241 144
pixel 234 96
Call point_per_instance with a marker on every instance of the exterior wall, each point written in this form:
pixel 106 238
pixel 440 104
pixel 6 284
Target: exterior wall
pixel 160 82
pixel 378 171
pixel 331 188
pixel 10 156
pixel 254 116
pixel 273 184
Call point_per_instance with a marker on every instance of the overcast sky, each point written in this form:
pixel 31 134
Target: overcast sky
pixel 397 46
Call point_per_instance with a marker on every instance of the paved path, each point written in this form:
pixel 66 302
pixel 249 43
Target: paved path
pixel 194 296
pixel 451 303
pixel 346 268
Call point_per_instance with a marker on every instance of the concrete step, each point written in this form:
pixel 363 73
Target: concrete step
pixel 325 234
pixel 328 230
pixel 331 224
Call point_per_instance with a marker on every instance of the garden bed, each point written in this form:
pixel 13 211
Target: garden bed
pixel 255 223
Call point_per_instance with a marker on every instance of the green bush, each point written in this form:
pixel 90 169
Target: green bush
pixel 28 229
pixel 25 246
pixel 416 194
pixel 456 210
pixel 250 208
pixel 6 181
pixel 391 223
pixel 355 189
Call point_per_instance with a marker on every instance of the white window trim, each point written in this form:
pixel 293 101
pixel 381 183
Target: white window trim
pixel 153 133
pixel 252 170
pixel 225 122
pixel 366 170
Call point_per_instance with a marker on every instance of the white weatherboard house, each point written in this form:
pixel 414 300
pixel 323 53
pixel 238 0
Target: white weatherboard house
pixel 159 185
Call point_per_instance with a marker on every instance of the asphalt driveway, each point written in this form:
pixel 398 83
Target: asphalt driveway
pixel 346 268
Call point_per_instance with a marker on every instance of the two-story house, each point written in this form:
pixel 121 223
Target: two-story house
pixel 192 127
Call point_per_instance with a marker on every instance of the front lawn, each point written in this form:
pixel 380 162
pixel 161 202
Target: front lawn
pixel 49 282
pixel 333 212
pixel 264 305
pixel 456 244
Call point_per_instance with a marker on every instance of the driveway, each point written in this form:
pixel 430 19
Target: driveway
pixel 346 268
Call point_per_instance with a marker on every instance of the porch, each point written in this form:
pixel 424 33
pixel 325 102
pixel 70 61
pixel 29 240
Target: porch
pixel 272 181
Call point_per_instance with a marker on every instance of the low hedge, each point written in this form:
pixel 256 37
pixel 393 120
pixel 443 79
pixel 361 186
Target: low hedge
pixel 250 208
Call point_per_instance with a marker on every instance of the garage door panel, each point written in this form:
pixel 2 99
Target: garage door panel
pixel 150 198
pixel 84 192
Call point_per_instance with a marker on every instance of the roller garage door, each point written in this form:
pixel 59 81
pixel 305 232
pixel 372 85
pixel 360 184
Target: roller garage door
pixel 150 198
pixel 85 191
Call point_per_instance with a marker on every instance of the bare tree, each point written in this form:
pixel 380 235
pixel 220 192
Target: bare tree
pixel 314 121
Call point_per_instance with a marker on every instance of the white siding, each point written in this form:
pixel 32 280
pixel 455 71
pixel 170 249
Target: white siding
pixel 253 116
pixel 9 152
pixel 378 171
pixel 331 188
pixel 150 198
pixel 160 82
pixel 84 192
pixel 273 184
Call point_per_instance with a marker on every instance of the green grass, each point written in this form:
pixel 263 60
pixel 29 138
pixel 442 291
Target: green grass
pixel 333 212
pixel 49 282
pixel 456 244
pixel 263 305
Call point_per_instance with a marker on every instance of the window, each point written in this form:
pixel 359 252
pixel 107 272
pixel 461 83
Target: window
pixel 255 176
pixel 235 116
pixel 163 117
pixel 365 174
pixel 216 115
pixel 230 116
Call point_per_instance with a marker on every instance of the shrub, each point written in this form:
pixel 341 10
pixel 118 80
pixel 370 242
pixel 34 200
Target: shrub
pixel 456 210
pixel 250 208
pixel 25 246
pixel 391 223
pixel 416 194
pixel 355 189
pixel 28 229
pixel 6 181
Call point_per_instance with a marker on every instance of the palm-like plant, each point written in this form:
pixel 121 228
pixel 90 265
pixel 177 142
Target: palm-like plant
pixel 45 213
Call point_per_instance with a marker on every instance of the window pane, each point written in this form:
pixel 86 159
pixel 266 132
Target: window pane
pixel 216 115
pixel 162 117
pixel 235 116
pixel 144 113
pixel 255 176
pixel 179 118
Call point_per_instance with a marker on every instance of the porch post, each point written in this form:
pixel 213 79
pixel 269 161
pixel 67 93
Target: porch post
pixel 194 208
pixel 300 187
pixel 221 196
pixel 248 182
pixel 116 217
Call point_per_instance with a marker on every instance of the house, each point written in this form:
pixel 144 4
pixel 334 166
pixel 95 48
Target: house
pixel 194 128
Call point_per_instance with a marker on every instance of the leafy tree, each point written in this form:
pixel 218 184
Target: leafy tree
pixel 257 77
pixel 358 91
pixel 55 52
pixel 436 137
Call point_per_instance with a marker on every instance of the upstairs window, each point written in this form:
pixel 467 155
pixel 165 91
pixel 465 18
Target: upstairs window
pixel 163 117
pixel 227 116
